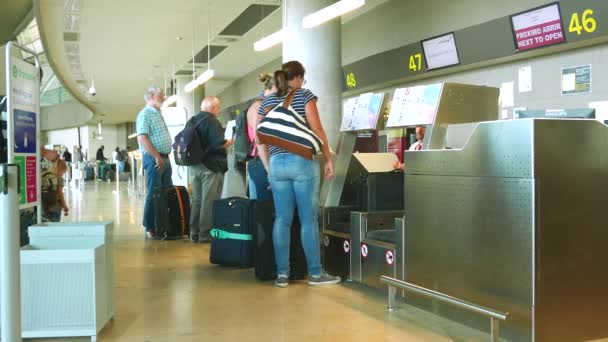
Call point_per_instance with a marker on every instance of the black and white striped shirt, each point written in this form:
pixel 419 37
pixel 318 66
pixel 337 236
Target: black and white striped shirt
pixel 300 100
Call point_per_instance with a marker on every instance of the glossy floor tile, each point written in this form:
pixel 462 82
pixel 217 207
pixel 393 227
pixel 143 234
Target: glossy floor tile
pixel 168 291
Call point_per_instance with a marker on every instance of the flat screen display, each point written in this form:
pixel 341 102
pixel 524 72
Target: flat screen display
pixel 361 113
pixel 538 28
pixel 414 106
pixel 440 52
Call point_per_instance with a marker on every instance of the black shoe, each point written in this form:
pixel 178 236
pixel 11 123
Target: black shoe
pixel 194 238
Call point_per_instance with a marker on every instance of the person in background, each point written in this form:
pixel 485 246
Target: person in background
pixel 417 146
pixel 155 145
pixel 295 180
pixel 208 176
pixel 78 154
pixel 257 167
pixel 67 157
pixel 53 201
pixel 99 156
pixel 115 154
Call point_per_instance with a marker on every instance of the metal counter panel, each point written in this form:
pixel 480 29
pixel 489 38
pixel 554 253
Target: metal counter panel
pixel 472 238
pixel 493 150
pixel 572 166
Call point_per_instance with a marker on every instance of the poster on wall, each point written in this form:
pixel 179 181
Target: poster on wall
pixel 24 102
pixel 538 28
pixel 440 52
pixel 576 80
pixel 414 106
pixel 525 79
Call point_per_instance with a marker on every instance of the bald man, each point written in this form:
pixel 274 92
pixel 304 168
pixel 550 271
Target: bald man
pixel 208 176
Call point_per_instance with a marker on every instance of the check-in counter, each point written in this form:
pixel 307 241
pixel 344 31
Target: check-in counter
pixel 377 247
pixel 514 219
pixel 371 185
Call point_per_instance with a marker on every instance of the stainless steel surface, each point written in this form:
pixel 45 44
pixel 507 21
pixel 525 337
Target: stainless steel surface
pixel 375 265
pixel 495 149
pixel 515 221
pixel 494 330
pixel 458 135
pixel 342 162
pixel 361 222
pixel 571 166
pixel 461 103
pixel 391 298
pixel 478 309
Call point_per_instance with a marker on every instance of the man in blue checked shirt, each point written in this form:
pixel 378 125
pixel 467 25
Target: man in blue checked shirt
pixel 155 145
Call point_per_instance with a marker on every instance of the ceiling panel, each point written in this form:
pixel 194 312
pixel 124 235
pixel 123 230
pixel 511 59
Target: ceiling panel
pixel 250 17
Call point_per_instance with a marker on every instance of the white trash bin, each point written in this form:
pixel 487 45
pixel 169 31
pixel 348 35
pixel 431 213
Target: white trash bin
pixel 60 235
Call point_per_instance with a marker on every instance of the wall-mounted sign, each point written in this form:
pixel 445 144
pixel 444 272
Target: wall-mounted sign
pixel 440 52
pixel 538 27
pixel 576 80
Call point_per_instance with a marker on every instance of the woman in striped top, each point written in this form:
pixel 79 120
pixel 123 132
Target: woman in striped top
pixel 295 180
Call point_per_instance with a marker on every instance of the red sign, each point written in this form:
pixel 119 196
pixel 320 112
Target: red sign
pixel 390 257
pixel 30 179
pixel 346 246
pixel 364 251
pixel 538 28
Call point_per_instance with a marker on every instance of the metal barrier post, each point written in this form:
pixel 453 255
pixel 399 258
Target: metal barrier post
pixel 391 298
pixel 494 330
pixel 10 271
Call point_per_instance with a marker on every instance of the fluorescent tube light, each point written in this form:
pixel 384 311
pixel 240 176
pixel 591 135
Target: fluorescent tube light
pixel 269 41
pixel 204 77
pixel 190 86
pixel 132 135
pixel 169 101
pixel 331 12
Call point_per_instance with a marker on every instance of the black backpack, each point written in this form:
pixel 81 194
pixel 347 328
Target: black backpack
pixel 243 147
pixel 187 147
pixel 3 147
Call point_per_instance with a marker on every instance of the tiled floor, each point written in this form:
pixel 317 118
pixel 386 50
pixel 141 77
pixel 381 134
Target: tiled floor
pixel 168 291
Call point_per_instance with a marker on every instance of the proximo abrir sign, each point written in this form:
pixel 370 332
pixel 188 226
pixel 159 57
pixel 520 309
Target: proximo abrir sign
pixel 537 28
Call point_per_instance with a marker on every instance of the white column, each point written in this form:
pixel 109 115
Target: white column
pixel 10 268
pixel 320 51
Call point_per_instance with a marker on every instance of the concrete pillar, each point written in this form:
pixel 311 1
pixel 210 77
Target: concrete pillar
pixel 191 101
pixel 320 51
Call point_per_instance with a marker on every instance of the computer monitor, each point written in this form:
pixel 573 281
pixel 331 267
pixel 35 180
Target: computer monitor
pixel 578 113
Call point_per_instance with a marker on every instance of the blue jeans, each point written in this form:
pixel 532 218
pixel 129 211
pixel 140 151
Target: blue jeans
pixel 258 181
pixel 295 183
pixel 155 181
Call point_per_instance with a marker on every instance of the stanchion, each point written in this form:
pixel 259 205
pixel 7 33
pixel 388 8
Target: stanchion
pixel 10 272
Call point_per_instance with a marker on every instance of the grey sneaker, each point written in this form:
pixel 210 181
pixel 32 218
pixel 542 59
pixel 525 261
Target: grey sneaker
pixel 282 281
pixel 194 238
pixel 323 279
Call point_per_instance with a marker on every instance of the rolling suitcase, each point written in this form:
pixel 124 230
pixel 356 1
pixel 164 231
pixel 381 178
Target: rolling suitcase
pixel 88 173
pixel 179 208
pixel 231 233
pixel 264 261
pixel 168 217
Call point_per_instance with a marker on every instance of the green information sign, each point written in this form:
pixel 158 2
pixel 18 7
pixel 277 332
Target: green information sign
pixel 20 160
pixel 576 80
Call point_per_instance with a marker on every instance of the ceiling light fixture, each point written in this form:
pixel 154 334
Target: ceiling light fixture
pixel 207 75
pixel 272 39
pixel 269 41
pixel 330 12
pixel 173 98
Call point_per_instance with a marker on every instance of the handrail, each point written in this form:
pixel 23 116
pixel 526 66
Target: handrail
pixel 494 315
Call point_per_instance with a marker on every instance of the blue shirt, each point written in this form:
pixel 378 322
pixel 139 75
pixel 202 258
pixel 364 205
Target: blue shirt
pixel 151 123
pixel 300 100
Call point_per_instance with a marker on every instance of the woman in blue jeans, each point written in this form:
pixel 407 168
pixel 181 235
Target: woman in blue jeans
pixel 295 180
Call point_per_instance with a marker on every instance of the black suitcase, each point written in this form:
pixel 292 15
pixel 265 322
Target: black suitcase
pixel 265 264
pixel 231 234
pixel 167 215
